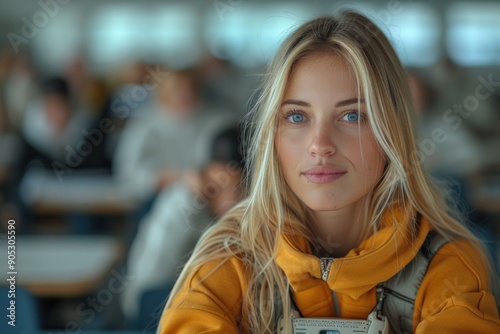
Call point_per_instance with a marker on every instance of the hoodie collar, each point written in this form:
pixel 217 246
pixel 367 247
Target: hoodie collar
pixel 375 260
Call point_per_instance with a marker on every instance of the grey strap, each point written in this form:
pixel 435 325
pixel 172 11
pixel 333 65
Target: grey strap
pixel 402 288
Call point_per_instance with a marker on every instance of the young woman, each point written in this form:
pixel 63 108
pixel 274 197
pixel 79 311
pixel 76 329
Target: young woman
pixel 337 202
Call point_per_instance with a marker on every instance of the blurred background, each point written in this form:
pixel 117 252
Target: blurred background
pixel 116 115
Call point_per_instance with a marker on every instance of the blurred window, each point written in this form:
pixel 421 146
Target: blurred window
pixel 227 32
pixel 473 37
pixel 412 28
pixel 166 33
pixel 249 35
pixel 115 33
pixel 275 24
pixel 58 42
pixel 173 37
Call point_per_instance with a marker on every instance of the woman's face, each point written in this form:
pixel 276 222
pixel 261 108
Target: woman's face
pixel 327 152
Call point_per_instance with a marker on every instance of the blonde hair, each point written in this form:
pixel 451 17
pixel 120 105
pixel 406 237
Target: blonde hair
pixel 251 230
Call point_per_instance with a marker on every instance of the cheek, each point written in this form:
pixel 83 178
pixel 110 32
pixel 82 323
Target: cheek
pixel 372 157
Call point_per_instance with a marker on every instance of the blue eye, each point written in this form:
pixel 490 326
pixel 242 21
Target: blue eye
pixel 351 117
pixel 295 118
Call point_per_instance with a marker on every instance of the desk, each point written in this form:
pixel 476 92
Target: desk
pixel 77 192
pixel 61 266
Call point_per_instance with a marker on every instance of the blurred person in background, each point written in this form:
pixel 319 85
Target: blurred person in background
pixel 111 97
pixel 125 82
pixel 51 123
pixel 168 137
pixel 179 215
pixel 51 131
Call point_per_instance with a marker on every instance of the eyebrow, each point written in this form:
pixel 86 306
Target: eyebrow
pixel 347 102
pixel 342 103
pixel 296 102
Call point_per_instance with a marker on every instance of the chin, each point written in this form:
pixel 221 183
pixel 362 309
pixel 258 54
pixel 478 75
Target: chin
pixel 321 201
pixel 323 205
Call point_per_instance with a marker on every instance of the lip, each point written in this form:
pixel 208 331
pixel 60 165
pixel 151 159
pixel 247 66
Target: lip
pixel 323 174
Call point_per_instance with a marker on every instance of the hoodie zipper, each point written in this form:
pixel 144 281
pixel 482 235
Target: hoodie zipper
pixel 326 264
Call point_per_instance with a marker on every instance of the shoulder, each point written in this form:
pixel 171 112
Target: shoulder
pixel 224 272
pixel 146 121
pixel 456 286
pixel 215 287
pixel 209 300
pixel 462 259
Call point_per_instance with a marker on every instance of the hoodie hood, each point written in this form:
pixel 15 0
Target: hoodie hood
pixel 375 260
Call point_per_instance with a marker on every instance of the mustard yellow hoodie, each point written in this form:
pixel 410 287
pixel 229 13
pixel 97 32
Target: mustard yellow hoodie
pixel 454 296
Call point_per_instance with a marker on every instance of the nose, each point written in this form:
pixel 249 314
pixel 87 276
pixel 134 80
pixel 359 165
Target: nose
pixel 322 144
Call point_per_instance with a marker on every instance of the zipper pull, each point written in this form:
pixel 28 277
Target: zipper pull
pixel 326 264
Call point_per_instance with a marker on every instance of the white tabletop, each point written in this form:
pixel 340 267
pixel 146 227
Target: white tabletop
pixel 76 192
pixel 60 265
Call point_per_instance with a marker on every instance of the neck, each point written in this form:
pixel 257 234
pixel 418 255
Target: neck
pixel 339 231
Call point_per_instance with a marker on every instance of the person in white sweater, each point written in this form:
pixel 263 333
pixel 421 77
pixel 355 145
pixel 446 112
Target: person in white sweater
pixel 168 137
pixel 179 216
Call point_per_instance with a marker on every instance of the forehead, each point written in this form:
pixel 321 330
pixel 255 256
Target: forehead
pixel 322 75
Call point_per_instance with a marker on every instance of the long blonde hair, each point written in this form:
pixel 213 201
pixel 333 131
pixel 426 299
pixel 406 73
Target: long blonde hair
pixel 251 229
